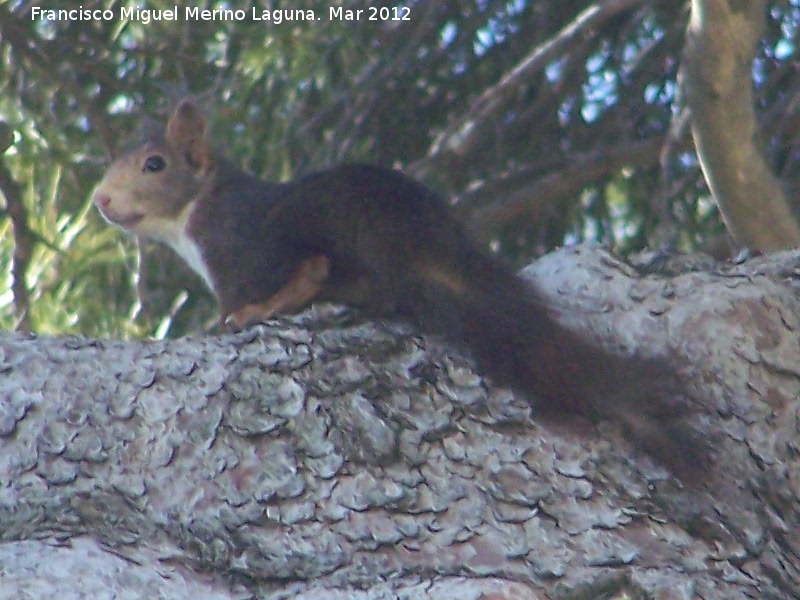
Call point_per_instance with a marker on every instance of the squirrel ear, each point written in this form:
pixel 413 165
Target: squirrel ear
pixel 186 133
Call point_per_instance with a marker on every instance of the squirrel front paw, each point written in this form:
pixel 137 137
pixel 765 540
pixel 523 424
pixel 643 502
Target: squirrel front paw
pixel 250 314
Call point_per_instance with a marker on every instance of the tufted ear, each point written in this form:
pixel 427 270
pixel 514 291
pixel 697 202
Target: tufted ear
pixel 187 135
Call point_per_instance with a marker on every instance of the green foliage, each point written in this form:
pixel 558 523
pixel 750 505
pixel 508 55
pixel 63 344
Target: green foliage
pixel 291 97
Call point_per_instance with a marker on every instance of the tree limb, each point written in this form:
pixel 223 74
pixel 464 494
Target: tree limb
pixel 469 130
pixel 24 238
pixel 329 456
pixel 721 43
pixel 537 197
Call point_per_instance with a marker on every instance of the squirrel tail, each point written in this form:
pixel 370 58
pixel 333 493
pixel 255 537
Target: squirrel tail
pixel 518 342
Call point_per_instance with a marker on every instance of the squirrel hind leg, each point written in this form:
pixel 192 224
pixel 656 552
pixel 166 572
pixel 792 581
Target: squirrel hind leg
pixel 303 286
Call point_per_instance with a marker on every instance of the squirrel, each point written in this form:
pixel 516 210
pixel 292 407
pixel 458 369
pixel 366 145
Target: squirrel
pixel 375 239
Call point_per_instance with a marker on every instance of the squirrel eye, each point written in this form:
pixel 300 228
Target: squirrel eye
pixel 153 164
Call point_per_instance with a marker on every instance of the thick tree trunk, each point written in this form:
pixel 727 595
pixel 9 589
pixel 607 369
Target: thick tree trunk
pixel 716 68
pixel 309 460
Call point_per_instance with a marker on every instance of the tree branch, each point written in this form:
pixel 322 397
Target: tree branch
pixel 538 197
pixel 304 458
pixel 24 239
pixel 721 43
pixel 468 131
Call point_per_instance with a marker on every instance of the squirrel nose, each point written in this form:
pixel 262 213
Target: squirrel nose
pixel 102 200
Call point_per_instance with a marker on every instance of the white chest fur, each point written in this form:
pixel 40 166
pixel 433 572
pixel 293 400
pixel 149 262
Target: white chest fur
pixel 189 251
pixel 178 239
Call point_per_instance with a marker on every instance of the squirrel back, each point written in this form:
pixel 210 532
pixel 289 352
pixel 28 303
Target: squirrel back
pixel 379 241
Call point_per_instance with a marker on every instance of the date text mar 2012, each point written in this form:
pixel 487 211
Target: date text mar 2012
pixel 372 13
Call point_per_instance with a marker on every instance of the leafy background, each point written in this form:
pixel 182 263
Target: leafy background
pixel 547 122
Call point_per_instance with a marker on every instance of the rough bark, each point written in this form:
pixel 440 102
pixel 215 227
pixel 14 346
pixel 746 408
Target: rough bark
pixel 327 457
pixel 716 71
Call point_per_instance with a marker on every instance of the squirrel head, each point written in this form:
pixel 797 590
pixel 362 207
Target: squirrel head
pixel 149 190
